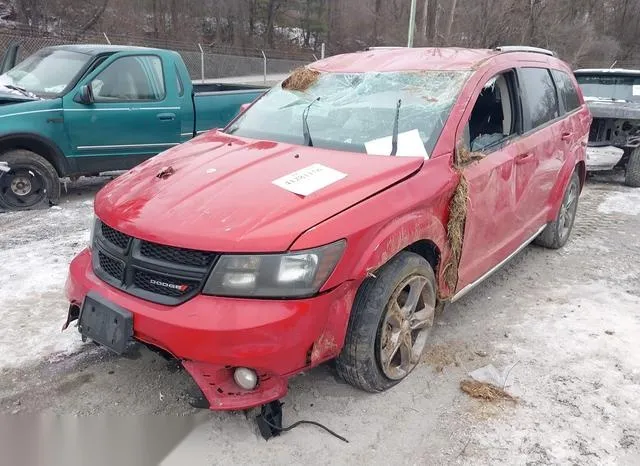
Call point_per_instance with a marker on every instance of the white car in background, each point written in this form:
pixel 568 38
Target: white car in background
pixel 613 96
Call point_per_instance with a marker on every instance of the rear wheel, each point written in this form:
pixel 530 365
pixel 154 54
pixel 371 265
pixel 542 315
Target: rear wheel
pixel 556 234
pixel 30 183
pixel 632 175
pixel 389 325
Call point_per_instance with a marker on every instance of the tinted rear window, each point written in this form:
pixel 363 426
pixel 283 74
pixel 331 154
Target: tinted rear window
pixel 538 96
pixel 566 90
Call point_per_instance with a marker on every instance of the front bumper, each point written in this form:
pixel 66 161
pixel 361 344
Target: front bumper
pixel 212 335
pixel 603 157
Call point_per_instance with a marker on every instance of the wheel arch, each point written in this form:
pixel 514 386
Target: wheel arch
pixel 39 145
pixel 428 250
pixel 419 232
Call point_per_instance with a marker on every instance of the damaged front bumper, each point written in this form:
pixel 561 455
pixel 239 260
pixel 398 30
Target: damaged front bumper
pixel 603 157
pixel 212 335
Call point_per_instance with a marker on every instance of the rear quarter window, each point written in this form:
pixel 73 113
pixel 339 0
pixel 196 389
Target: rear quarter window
pixel 538 96
pixel 566 90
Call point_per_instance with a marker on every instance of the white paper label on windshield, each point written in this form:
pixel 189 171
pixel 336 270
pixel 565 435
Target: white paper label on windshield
pixel 308 180
pixel 409 145
pixel 636 89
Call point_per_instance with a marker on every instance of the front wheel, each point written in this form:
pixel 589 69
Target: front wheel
pixel 556 234
pixel 632 173
pixel 389 324
pixel 30 183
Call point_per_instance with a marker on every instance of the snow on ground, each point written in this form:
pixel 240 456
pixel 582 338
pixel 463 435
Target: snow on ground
pixel 35 251
pixel 584 407
pixel 625 202
pixel 568 319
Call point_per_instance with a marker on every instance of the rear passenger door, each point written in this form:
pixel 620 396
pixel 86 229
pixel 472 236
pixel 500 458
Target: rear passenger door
pixel 541 145
pixel 574 126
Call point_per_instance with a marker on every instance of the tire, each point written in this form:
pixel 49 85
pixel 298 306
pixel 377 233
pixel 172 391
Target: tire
pixel 375 323
pixel 557 233
pixel 30 183
pixel 632 173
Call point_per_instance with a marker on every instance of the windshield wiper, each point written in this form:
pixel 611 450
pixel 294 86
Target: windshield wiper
pixel 305 125
pixel 394 138
pixel 19 89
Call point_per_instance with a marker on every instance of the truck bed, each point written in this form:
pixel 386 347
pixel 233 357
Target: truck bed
pixel 206 88
pixel 216 104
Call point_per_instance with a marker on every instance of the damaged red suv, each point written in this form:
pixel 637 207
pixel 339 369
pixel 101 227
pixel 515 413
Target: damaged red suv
pixel 334 216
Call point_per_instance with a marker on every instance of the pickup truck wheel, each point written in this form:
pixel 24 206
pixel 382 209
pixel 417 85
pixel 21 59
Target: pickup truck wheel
pixel 632 175
pixel 389 324
pixel 557 233
pixel 30 183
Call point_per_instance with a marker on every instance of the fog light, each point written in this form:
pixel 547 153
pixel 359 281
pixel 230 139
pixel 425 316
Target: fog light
pixel 245 378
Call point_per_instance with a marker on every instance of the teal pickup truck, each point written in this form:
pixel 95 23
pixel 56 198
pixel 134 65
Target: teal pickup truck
pixel 78 110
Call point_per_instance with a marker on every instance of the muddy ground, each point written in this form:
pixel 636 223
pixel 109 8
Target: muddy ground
pixel 569 320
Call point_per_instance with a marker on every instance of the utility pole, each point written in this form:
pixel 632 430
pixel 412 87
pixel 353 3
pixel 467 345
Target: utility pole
pixel 412 23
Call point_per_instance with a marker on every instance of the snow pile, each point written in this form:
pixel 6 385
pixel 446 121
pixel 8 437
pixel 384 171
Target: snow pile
pixel 33 270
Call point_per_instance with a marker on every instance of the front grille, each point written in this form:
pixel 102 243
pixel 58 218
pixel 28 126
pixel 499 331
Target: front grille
pixel 158 273
pixel 112 267
pixel 177 255
pixel 113 236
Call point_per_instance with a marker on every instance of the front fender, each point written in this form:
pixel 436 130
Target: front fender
pixel 378 228
pixel 400 233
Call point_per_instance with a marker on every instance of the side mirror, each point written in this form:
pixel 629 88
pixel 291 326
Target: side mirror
pixel 84 95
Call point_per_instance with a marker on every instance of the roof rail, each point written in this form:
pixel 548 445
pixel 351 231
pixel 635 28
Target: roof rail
pixel 525 48
pixel 384 48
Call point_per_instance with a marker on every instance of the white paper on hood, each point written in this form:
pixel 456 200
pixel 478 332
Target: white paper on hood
pixel 636 89
pixel 308 180
pixel 409 145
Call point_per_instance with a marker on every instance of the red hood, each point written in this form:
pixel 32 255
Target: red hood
pixel 221 195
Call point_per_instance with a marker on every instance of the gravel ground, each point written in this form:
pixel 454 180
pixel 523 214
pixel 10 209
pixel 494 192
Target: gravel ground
pixel 569 320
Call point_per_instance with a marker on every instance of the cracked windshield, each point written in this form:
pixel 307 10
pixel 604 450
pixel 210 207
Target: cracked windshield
pixel 356 112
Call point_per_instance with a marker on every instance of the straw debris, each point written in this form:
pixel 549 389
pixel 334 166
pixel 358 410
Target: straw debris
pixel 465 157
pixel 301 79
pixel 458 214
pixel 455 230
pixel 485 391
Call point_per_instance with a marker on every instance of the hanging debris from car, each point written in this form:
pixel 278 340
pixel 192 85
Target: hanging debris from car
pixel 301 79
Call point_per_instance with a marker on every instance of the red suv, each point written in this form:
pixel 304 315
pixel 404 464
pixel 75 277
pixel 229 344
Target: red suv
pixel 334 216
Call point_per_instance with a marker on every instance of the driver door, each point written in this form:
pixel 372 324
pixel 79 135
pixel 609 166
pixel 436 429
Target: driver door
pixel 499 183
pixel 130 119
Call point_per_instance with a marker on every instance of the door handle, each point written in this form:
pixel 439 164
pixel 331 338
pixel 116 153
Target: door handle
pixel 566 136
pixel 524 158
pixel 166 116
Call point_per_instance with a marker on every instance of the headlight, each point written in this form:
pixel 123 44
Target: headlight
pixel 295 274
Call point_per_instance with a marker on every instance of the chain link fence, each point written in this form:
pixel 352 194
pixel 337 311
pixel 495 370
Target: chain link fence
pixel 203 61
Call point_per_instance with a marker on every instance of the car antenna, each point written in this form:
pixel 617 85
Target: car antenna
pixel 394 138
pixel 305 125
